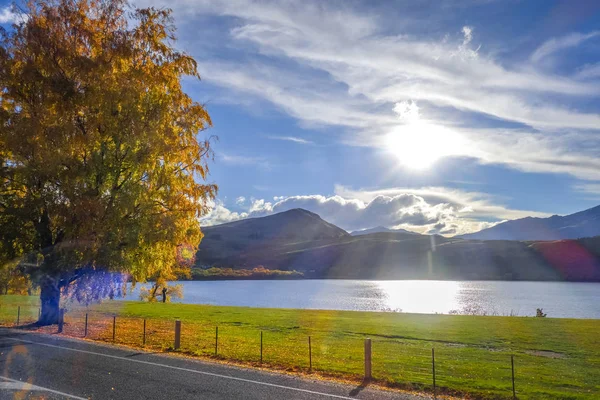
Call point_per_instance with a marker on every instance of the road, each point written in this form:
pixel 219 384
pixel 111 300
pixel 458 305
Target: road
pixel 36 366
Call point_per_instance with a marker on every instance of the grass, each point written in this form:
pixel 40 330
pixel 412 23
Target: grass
pixel 554 358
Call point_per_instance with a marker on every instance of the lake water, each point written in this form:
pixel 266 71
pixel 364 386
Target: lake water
pixel 558 299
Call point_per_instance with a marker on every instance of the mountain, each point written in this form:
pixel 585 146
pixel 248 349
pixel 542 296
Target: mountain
pixel 380 229
pixel 296 224
pixel 582 224
pixel 221 242
pixel 301 240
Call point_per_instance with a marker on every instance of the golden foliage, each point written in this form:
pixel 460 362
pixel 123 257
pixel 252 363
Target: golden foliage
pixel 101 165
pixel 154 293
pixel 13 281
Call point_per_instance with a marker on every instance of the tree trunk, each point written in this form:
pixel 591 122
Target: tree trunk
pixel 164 295
pixel 153 295
pixel 50 299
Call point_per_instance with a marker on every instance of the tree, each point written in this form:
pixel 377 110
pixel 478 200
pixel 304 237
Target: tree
pixel 161 288
pixel 13 281
pixel 161 291
pixel 102 173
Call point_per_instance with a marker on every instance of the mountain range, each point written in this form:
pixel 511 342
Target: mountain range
pixel 300 240
pixel 579 225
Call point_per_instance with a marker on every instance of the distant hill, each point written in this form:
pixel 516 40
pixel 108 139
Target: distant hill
pixel 301 240
pixel 380 229
pixel 222 242
pixel 579 225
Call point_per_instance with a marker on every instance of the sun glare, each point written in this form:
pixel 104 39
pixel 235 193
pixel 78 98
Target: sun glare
pixel 419 144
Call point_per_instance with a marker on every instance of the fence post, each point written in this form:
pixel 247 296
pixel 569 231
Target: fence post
pixel 177 334
pixel 309 356
pixel 18 314
pixel 512 365
pixel 261 346
pixel 216 340
pixel 144 335
pixel 61 319
pixel 433 371
pixel 114 326
pixel 86 325
pixel 39 312
pixel 367 359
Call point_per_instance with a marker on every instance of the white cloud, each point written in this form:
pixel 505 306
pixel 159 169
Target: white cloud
pixel 475 204
pixel 424 210
pixel 240 200
pixel 407 110
pixel 351 214
pixel 260 206
pixel 236 159
pixel 588 71
pixel 568 152
pixel 464 50
pixel 292 139
pixel 468 32
pixel 591 190
pixel 557 44
pixel 7 16
pixel 220 214
pixel 313 101
pixel 329 66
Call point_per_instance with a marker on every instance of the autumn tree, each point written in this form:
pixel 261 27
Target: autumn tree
pixel 161 288
pixel 13 281
pixel 102 172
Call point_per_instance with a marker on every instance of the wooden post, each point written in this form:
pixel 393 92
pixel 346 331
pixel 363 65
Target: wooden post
pixel 261 347
pixel 512 364
pixel 144 336
pixel 61 319
pixel 433 371
pixel 86 325
pixel 217 341
pixel 309 356
pixel 114 326
pixel 368 359
pixel 177 335
pixel 18 314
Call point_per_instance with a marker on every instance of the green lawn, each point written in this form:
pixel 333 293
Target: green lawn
pixel 554 358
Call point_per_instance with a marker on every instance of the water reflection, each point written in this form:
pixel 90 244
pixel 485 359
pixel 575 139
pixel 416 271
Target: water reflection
pixel 558 299
pixel 426 297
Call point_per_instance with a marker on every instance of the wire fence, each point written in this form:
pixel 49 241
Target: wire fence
pixel 438 369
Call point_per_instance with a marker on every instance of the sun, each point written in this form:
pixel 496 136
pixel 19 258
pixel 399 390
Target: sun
pixel 419 144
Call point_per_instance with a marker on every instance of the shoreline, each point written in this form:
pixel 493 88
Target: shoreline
pixel 234 278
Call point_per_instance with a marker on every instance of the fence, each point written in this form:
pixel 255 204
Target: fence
pixel 397 363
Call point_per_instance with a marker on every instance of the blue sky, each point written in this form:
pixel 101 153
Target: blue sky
pixel 435 116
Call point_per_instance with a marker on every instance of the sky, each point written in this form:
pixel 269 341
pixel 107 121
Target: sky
pixel 439 116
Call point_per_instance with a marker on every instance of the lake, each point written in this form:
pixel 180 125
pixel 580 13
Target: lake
pixel 558 299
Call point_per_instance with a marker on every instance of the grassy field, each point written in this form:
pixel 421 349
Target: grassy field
pixel 554 358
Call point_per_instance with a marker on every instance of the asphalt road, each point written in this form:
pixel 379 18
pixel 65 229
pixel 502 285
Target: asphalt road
pixel 35 366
